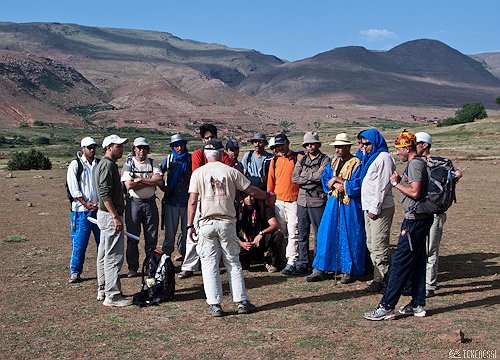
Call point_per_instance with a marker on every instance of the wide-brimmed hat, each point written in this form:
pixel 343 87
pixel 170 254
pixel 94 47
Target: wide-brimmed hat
pixel 280 139
pixel 113 139
pixel 259 137
pixel 405 139
pixel 141 141
pixel 423 137
pixel 311 137
pixel 341 140
pixel 177 138
pixel 87 141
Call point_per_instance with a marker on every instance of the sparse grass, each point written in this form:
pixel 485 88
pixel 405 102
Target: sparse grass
pixel 15 239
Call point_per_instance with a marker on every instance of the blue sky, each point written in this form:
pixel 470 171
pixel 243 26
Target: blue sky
pixel 289 29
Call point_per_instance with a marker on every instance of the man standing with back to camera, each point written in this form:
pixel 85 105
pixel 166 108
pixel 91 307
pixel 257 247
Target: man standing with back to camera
pixel 215 185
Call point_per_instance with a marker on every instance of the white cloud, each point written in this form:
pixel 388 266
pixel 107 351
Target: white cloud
pixel 373 35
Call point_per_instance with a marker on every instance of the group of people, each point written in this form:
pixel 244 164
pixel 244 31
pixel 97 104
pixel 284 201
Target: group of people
pixel 259 210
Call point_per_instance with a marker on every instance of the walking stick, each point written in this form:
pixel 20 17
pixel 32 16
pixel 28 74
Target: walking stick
pixel 339 199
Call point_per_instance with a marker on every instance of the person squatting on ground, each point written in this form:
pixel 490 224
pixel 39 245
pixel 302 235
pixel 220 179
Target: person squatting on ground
pixel 341 235
pixel 177 169
pixel 141 175
pixel 214 185
pixel 424 142
pixel 191 261
pixel 253 161
pixel 110 220
pixel 311 199
pixel 377 201
pixel 260 236
pixel 409 258
pixel 81 186
pixel 280 182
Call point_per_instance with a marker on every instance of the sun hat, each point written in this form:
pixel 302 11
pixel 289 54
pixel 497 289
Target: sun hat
pixel 141 141
pixel 87 141
pixel 341 140
pixel 259 136
pixel 113 139
pixel 423 137
pixel 311 137
pixel 404 139
pixel 177 138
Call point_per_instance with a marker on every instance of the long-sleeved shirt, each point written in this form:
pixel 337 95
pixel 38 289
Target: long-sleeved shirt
pixel 109 185
pixel 86 188
pixel 376 188
pixel 199 159
pixel 279 179
pixel 307 174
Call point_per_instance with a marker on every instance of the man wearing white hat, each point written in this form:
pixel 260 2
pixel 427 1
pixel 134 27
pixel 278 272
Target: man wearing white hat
pixel 424 142
pixel 141 175
pixel 82 194
pixel 110 221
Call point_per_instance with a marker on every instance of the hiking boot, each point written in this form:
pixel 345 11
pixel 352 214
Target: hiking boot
pixel 215 310
pixel 346 279
pixel 271 268
pixel 132 274
pixel 409 309
pixel 300 271
pixel 288 270
pixel 246 307
pixel 75 278
pixel 316 276
pixel 380 313
pixel 374 287
pixel 184 274
pixel 429 293
pixel 118 301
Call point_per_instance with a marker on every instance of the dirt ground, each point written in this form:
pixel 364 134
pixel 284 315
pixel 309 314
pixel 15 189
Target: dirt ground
pixel 45 317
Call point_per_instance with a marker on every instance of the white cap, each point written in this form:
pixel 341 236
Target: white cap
pixel 87 141
pixel 423 137
pixel 113 139
pixel 140 141
pixel 271 142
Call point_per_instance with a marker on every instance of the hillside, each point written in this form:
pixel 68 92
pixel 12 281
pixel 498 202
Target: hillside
pixel 490 61
pixel 416 72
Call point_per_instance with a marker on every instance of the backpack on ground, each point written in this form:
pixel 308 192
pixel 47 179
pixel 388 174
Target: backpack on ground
pixel 440 188
pixel 158 280
pixel 79 172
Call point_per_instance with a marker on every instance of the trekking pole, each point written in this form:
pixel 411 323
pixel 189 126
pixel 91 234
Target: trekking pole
pixel 132 236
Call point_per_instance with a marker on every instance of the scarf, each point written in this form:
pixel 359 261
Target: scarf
pixel 378 146
pixel 345 173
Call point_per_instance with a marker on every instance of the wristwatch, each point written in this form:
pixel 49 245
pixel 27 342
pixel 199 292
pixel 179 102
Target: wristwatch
pixel 261 233
pixel 394 183
pixel 189 227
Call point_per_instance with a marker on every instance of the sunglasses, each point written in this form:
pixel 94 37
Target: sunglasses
pixel 258 141
pixel 142 147
pixel 309 144
pixel 365 144
pixel 91 147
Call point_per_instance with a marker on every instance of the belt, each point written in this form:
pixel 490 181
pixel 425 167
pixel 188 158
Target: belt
pixel 134 199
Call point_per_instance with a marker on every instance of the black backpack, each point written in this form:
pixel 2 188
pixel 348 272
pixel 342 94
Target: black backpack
pixel 79 172
pixel 158 280
pixel 440 188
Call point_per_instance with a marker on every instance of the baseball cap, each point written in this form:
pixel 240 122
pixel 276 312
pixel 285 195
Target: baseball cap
pixel 232 144
pixel 280 139
pixel 113 139
pixel 87 141
pixel 140 141
pixel 423 137
pixel 213 144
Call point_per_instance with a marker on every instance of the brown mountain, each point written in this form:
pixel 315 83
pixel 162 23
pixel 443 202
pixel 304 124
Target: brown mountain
pixel 416 72
pixel 490 61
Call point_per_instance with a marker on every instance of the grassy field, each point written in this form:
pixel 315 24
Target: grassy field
pixel 45 317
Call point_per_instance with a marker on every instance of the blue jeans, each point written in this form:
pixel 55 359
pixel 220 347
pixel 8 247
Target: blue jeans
pixel 80 229
pixel 409 259
pixel 307 216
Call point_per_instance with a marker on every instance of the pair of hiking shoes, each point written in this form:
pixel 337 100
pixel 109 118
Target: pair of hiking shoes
pixel 244 307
